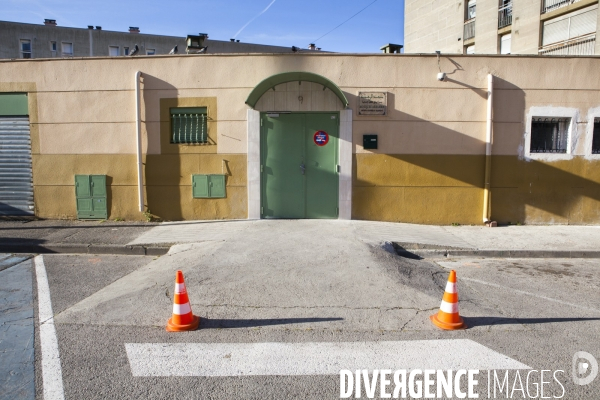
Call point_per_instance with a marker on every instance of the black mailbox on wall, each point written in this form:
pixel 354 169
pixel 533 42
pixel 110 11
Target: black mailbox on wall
pixel 369 142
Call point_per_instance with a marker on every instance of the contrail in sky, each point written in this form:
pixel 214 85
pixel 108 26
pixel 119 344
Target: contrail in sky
pixel 248 23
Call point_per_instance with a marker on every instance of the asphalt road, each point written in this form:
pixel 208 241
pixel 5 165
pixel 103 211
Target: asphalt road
pixel 537 312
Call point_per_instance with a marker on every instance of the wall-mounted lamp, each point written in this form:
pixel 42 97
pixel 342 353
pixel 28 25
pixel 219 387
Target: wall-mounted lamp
pixel 441 75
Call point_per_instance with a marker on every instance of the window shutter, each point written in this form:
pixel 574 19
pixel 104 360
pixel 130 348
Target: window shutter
pixel 189 125
pixel 199 186
pixel 555 31
pixel 98 185
pixel 217 186
pixel 583 24
pixel 82 186
pixel 505 44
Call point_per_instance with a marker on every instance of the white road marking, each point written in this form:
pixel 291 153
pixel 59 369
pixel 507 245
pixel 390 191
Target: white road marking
pixel 313 358
pixel 51 369
pixel 531 294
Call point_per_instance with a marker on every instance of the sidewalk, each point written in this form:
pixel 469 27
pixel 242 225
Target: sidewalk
pixel 68 236
pixel 60 236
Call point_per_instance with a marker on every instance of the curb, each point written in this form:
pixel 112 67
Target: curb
pixel 422 253
pixel 82 248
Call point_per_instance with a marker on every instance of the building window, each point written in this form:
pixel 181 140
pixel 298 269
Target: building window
pixel 53 46
pixel 596 137
pixel 188 125
pixel 470 49
pixel 25 48
pixel 113 51
pixel 504 13
pixel 471 7
pixel 150 52
pixel 505 44
pixel 570 34
pixel 549 134
pixel 67 49
pixel 126 51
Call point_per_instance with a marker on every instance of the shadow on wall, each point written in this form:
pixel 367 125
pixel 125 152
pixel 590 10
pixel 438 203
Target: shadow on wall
pixel 434 183
pixel 162 172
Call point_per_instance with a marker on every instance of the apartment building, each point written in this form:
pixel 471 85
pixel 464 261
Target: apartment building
pixel 544 27
pixel 20 40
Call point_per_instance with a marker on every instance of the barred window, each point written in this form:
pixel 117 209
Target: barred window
pixel 596 138
pixel 549 135
pixel 188 125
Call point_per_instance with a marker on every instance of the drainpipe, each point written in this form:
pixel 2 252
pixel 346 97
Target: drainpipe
pixel 138 131
pixel 487 208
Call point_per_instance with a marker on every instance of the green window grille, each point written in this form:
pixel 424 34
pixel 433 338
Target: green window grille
pixel 188 125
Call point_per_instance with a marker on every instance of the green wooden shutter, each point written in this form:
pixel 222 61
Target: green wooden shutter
pixel 200 186
pixel 98 185
pixel 217 186
pixel 208 186
pixel 82 186
pixel 90 194
pixel 188 125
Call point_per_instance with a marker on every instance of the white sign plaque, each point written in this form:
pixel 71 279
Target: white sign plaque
pixel 372 103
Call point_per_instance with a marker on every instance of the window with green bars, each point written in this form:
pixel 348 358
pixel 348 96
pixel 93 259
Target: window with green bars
pixel 188 125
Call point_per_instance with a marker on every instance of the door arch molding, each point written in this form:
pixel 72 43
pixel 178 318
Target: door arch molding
pixel 300 76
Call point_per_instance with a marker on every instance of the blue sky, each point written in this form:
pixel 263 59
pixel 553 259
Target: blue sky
pixel 284 23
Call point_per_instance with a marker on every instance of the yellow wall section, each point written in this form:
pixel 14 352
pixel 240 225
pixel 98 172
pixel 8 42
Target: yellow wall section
pixel 445 189
pixel 426 189
pixel 535 192
pixel 168 190
pixel 169 186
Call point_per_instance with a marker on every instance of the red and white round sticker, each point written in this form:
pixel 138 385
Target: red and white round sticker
pixel 321 138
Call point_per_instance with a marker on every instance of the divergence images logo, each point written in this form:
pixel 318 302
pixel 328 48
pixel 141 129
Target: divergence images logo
pixel 585 368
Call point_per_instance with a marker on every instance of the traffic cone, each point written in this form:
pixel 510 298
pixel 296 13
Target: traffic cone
pixel 182 319
pixel 448 317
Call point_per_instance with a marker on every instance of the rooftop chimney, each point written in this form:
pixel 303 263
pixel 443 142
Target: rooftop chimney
pixel 99 28
pixel 50 22
pixel 232 40
pixel 134 29
pixel 312 46
pixel 90 26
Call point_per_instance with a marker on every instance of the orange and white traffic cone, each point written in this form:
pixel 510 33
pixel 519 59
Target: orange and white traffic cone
pixel 182 319
pixel 448 317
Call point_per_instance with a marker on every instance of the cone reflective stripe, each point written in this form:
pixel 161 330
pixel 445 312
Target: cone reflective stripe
pixel 448 317
pixel 183 319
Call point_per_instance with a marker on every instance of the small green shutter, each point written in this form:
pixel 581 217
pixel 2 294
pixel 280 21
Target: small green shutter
pixel 90 194
pixel 13 104
pixel 200 186
pixel 217 186
pixel 82 186
pixel 98 185
pixel 208 186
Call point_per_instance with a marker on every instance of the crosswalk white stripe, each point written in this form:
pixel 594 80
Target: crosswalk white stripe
pixel 51 369
pixel 313 358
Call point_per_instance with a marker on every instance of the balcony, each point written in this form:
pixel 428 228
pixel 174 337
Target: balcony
pixel 469 29
pixel 580 46
pixel 505 15
pixel 551 5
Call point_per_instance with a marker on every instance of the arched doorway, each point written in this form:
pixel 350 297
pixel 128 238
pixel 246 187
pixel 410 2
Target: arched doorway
pixel 299 148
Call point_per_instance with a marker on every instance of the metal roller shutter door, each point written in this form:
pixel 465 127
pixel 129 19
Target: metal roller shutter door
pixel 16 185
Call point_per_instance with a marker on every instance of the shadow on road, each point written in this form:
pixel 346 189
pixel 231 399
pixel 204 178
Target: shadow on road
pixel 472 322
pixel 251 323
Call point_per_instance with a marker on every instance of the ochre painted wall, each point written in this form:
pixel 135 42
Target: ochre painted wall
pixel 429 167
pixel 539 192
pixel 418 188
pixel 168 185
